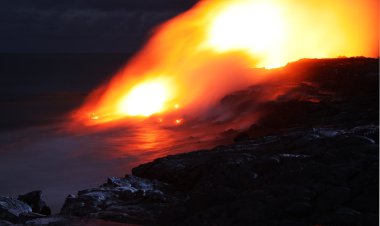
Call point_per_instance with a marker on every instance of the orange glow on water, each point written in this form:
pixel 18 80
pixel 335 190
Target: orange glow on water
pixel 197 57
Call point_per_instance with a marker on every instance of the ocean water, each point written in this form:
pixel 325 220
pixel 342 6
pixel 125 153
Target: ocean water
pixel 38 152
pixel 59 162
pixel 37 89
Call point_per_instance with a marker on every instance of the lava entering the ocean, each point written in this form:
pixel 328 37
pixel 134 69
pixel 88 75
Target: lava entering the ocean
pixel 197 57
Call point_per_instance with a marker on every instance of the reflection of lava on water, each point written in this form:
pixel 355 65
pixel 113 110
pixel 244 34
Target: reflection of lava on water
pixel 304 94
pixel 298 89
pixel 146 140
pixel 171 97
pixel 61 163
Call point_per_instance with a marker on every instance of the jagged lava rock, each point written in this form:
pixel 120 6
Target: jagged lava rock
pixel 34 200
pixel 11 209
pixel 301 177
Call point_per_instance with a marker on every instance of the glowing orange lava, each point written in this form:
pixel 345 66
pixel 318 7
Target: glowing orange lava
pixel 145 99
pixel 252 26
pixel 179 121
pixel 197 57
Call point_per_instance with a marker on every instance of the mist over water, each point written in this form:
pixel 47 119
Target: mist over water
pixel 50 156
pixel 224 39
pixel 38 152
pixel 38 93
pixel 59 163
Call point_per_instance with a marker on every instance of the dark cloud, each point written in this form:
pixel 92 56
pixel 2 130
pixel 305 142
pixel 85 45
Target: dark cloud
pixel 105 5
pixel 81 25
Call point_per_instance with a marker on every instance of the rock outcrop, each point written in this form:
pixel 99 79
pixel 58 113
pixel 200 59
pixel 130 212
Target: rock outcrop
pixel 312 158
pixel 318 177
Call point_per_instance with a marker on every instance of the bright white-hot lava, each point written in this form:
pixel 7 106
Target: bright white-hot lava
pixel 256 27
pixel 209 51
pixel 145 99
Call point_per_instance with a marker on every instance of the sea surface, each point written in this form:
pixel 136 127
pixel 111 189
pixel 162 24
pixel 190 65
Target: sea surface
pixel 39 152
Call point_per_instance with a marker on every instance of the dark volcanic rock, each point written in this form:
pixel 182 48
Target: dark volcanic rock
pixel 34 200
pixel 332 198
pixel 303 177
pixel 299 209
pixel 26 208
pixel 11 209
pixel 49 221
pixel 312 158
pixel 128 200
pixel 5 223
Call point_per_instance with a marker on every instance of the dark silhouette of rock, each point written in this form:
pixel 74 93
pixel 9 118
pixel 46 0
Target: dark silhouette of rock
pixel 5 223
pixel 299 209
pixel 34 200
pixel 294 178
pixel 241 137
pixel 11 209
pixel 333 197
pixel 30 216
pixel 312 158
pixel 128 200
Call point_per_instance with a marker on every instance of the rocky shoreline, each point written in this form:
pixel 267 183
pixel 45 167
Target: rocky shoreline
pixel 322 176
pixel 312 160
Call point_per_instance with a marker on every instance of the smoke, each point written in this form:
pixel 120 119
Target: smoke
pixel 211 50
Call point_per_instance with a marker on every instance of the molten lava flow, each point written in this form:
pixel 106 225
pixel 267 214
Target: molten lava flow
pixel 211 49
pixel 145 99
pixel 278 32
pixel 252 26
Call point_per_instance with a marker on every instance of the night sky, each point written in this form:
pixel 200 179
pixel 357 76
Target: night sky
pixel 81 26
